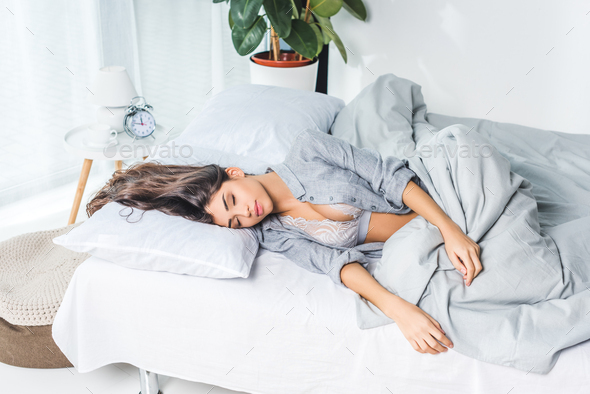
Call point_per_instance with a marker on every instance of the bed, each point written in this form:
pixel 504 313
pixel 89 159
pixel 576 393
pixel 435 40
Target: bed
pixel 284 329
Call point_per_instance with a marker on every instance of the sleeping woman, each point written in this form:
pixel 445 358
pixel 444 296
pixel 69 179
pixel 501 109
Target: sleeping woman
pixel 324 207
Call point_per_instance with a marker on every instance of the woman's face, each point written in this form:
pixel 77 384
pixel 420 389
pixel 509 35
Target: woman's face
pixel 235 204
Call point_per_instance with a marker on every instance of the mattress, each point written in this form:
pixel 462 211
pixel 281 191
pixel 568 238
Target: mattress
pixel 281 330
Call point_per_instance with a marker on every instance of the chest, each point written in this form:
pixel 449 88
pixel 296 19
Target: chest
pixel 335 212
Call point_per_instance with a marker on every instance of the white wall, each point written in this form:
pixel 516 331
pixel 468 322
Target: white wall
pixel 474 59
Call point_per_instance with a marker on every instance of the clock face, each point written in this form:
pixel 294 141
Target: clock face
pixel 143 124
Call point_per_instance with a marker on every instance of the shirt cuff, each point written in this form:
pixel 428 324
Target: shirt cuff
pixel 395 189
pixel 347 257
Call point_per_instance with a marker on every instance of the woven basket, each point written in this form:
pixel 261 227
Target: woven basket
pixel 34 276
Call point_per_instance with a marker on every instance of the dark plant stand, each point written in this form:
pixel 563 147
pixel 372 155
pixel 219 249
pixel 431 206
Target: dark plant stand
pixel 321 85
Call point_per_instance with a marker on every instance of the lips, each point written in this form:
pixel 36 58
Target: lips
pixel 258 208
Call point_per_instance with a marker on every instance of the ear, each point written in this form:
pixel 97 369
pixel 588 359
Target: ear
pixel 234 172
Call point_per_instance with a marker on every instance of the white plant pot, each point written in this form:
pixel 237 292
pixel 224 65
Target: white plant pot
pixel 303 77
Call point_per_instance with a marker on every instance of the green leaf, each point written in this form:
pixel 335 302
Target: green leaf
pixel 325 8
pixel 325 37
pixel 339 45
pixel 296 8
pixel 279 13
pixel 218 1
pixel 231 21
pixel 245 12
pixel 328 29
pixel 356 9
pixel 319 36
pixel 246 40
pixel 302 39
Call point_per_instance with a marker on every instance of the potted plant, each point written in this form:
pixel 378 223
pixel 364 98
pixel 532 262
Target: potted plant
pixel 306 28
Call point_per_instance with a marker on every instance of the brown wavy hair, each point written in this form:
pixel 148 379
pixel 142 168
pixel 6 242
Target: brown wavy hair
pixel 178 190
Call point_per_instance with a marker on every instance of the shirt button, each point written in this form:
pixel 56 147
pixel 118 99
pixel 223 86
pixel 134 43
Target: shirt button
pixel 373 207
pixel 331 198
pixel 353 199
pixel 311 198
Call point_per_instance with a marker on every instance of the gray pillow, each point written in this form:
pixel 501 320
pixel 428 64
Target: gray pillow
pixel 259 121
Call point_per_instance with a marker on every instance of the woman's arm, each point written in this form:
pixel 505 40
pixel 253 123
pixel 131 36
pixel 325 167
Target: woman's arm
pixel 358 279
pixel 421 203
pixel 418 327
pixel 462 250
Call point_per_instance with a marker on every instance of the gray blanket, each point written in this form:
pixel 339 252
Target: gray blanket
pixel 532 298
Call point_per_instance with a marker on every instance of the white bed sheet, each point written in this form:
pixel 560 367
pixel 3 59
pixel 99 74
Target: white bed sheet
pixel 282 330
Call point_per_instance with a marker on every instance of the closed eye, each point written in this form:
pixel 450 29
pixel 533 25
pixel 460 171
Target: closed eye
pixel 234 199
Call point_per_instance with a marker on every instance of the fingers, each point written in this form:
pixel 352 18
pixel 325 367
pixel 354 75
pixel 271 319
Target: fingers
pixel 475 258
pixel 466 258
pixel 455 259
pixel 433 343
pixel 429 345
pixel 420 345
pixel 442 338
pixel 440 333
pixel 466 262
pixel 416 347
pixel 470 259
pixel 426 347
pixel 429 341
pixel 464 254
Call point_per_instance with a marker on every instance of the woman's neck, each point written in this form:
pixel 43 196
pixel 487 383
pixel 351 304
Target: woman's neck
pixel 280 194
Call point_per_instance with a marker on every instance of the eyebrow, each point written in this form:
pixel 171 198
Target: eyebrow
pixel 227 209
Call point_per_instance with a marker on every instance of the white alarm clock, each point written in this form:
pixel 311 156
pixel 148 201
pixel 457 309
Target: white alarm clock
pixel 139 122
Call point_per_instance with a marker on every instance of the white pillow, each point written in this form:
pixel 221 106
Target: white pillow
pixel 162 242
pixel 259 121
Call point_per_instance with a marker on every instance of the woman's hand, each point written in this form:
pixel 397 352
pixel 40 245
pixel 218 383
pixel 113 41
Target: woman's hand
pixel 463 252
pixel 421 330
pixel 418 327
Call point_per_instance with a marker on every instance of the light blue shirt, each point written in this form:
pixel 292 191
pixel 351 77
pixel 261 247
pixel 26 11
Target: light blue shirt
pixel 323 169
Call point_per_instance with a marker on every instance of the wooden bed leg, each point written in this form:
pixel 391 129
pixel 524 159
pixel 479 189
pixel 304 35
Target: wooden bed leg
pixel 148 382
pixel 80 190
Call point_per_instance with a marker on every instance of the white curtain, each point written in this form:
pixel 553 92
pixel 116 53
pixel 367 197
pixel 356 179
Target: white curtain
pixel 186 55
pixel 118 37
pixel 49 53
pixel 177 53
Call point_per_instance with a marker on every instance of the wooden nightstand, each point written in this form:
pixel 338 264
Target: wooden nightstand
pixel 127 148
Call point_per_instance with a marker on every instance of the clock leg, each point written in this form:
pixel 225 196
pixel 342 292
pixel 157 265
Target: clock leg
pixel 118 164
pixel 80 190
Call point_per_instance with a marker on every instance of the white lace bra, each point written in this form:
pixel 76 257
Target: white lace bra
pixel 332 232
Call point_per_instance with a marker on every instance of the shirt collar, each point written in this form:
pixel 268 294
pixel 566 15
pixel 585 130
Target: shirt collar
pixel 289 178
